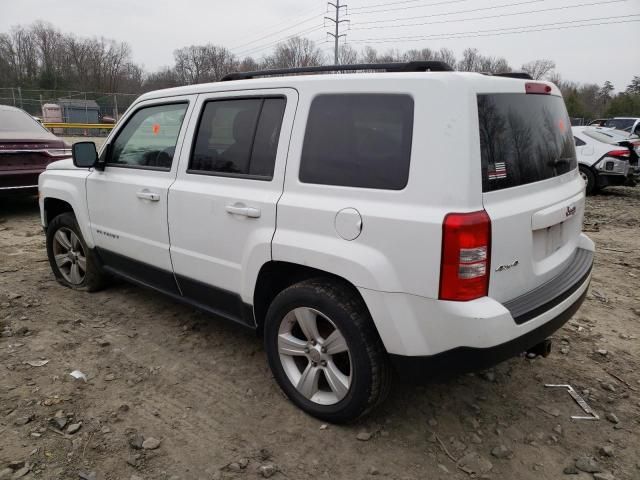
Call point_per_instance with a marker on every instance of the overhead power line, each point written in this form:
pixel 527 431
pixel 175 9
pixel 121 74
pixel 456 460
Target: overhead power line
pixel 445 14
pixel 504 31
pixel 565 7
pixel 259 48
pixel 296 25
pixel 443 3
pixel 367 7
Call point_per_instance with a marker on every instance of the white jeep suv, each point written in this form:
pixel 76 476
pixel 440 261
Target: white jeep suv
pixel 416 220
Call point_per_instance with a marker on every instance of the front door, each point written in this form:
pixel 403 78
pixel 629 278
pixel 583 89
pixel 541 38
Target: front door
pixel 128 199
pixel 222 207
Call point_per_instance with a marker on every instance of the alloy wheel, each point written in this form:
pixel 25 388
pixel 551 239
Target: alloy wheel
pixel 69 256
pixel 315 356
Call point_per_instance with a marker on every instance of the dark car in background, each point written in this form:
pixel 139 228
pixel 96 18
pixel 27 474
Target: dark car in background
pixel 26 148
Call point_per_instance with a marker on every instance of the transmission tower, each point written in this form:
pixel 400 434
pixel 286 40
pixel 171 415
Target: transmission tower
pixel 337 21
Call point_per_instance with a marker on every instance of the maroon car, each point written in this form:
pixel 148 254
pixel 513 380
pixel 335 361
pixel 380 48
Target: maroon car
pixel 26 148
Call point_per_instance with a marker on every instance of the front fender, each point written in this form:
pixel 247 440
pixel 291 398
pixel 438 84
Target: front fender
pixel 70 187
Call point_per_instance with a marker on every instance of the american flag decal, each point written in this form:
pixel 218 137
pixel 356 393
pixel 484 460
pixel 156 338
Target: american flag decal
pixel 497 171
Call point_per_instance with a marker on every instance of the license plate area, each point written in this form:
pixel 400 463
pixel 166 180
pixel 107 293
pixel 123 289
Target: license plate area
pixel 548 241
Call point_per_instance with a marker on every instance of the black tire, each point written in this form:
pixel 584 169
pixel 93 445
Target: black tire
pixel 94 278
pixel 370 373
pixel 590 179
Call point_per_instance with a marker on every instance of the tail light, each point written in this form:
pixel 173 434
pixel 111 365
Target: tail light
pixel 619 153
pixel 466 250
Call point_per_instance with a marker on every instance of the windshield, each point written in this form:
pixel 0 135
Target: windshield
pixel 18 121
pixel 524 138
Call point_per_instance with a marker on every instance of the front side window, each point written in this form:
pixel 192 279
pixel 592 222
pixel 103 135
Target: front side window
pixel 358 140
pixel 148 140
pixel 238 138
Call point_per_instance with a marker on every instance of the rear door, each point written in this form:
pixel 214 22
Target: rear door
pixel 531 189
pixel 222 207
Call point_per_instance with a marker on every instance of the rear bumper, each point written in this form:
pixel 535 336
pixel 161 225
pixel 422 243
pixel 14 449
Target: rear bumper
pixel 428 337
pixel 467 359
pixel 19 182
pixel 611 179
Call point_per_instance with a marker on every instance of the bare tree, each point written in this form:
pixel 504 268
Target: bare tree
pixel 347 55
pixel 470 61
pixel 368 55
pixel 426 54
pixel 203 63
pixel 473 61
pixel 447 56
pixel 539 69
pixel 295 52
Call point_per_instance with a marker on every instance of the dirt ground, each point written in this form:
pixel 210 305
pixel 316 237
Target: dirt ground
pixel 159 370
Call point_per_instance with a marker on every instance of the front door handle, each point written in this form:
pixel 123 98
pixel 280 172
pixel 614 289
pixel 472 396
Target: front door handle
pixel 241 209
pixel 147 195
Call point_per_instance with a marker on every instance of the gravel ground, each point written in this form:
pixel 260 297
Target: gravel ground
pixel 174 394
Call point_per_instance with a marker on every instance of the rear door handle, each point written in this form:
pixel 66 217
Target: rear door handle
pixel 147 195
pixel 240 209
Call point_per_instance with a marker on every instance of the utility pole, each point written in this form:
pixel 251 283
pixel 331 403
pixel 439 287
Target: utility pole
pixel 336 36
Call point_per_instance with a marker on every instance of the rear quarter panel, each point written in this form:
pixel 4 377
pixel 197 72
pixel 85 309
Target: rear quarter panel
pixel 398 249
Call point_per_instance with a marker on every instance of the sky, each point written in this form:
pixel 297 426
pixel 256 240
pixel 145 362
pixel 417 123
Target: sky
pixel 606 49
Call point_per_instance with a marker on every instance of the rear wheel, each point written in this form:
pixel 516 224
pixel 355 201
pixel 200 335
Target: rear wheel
pixel 589 179
pixel 324 351
pixel 73 263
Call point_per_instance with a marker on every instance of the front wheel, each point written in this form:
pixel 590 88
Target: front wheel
pixel 324 351
pixel 73 263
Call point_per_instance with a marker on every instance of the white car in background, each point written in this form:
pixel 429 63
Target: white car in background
pixel 606 157
pixel 630 125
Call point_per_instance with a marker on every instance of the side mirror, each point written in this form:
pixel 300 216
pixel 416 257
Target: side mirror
pixel 84 154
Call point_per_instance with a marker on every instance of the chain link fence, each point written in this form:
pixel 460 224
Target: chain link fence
pixel 107 106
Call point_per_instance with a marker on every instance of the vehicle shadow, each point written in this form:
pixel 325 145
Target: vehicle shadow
pixel 18 206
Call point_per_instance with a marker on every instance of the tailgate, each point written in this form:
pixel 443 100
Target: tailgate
pixel 531 190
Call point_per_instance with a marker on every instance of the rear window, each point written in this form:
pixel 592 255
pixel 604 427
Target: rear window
pixel 358 140
pixel 524 138
pixel 18 121
pixel 611 136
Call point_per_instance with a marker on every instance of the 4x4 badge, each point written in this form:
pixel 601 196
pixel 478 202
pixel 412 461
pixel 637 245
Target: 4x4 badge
pixel 502 268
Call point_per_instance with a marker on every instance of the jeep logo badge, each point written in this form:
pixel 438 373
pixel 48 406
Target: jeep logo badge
pixel 571 210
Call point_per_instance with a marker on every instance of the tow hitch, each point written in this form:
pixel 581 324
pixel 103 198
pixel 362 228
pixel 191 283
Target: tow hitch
pixel 543 348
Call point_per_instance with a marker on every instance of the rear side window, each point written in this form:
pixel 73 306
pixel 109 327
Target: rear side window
pixel 358 140
pixel 238 138
pixel 524 138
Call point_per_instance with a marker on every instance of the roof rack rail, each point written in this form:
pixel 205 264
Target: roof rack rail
pixel 387 67
pixel 523 75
